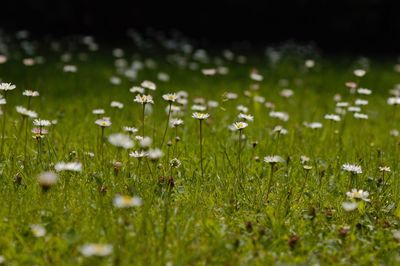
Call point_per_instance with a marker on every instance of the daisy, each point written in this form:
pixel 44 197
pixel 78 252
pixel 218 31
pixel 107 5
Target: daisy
pixel 144 99
pixel 360 116
pixel 127 201
pixel 98 111
pixel 130 130
pixel 99 250
pixel 200 108
pixel 200 116
pixel 175 163
pixel 116 104
pixel 30 93
pixel 25 112
pixel 47 179
pixel 332 117
pixel 384 169
pixel 359 72
pixel 38 230
pixel 246 117
pixel 350 206
pixel 103 122
pixel 352 168
pixel 313 125
pixel 137 89
pixel 138 154
pixel 41 123
pixel 280 115
pixel 170 97
pixel 358 194
pixel 256 77
pixel 364 91
pixel 176 122
pixel 240 125
pixel 273 159
pixel 73 167
pixel 148 85
pixel 155 154
pixel 121 141
pixel 7 86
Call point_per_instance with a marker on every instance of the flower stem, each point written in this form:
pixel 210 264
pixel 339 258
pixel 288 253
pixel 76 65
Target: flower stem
pixel 201 150
pixel 166 126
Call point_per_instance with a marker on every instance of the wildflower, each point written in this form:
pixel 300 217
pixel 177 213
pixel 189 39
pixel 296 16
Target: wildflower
pixel 349 206
pixel 304 159
pixel 176 122
pixel 30 93
pixel 280 130
pixel 145 142
pixel 38 230
pixel 354 109
pixel 246 117
pixel 209 71
pixel 358 194
pixel 121 141
pixel 175 163
pixel 212 104
pixel 144 99
pixel 103 122
pixel 130 130
pixel 41 123
pixel 200 116
pixel 148 85
pixel 309 63
pixel 98 111
pixel 239 125
pixel 136 89
pixel 115 80
pixel 231 96
pixel 280 115
pixel 384 169
pixel 273 159
pixel 361 102
pixel 332 117
pixel 73 167
pixel 242 108
pixel 170 97
pixel 127 201
pixel 116 104
pixel 7 86
pixel 47 180
pixel 256 77
pixel 155 154
pixel 352 168
pixel 198 107
pixel 364 91
pixel 360 116
pixel 138 154
pixel 70 69
pixel 313 125
pixel 359 72
pixel 393 101
pixel 286 93
pixel 99 250
pixel 25 112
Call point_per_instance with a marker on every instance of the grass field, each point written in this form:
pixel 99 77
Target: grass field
pixel 276 190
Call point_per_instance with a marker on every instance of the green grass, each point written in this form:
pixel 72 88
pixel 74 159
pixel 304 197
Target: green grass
pixel 223 218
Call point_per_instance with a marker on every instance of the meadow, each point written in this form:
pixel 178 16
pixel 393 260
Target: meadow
pixel 159 152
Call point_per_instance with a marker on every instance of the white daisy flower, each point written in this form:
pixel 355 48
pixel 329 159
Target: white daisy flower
pixel 73 167
pixel 352 168
pixel 121 141
pixel 99 250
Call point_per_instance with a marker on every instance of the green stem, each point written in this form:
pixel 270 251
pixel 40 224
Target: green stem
pixel 166 126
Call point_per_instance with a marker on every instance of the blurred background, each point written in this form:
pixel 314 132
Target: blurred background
pixel 370 26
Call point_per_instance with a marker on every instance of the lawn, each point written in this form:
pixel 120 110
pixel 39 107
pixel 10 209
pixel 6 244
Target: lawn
pixel 266 178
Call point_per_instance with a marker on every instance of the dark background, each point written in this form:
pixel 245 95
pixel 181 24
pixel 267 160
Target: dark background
pixel 352 25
